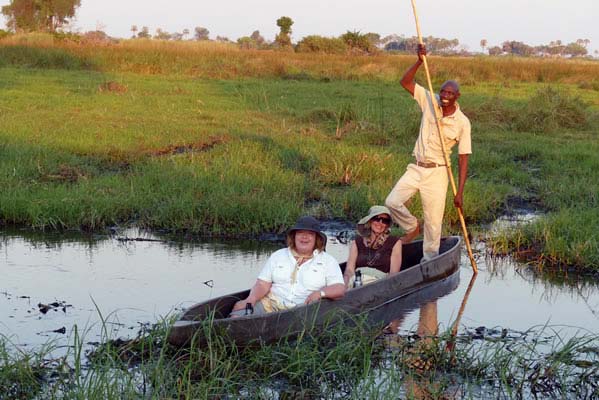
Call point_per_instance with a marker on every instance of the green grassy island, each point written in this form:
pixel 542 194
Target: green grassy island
pixel 209 139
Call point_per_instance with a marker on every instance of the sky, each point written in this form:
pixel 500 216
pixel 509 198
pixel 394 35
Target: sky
pixel 469 21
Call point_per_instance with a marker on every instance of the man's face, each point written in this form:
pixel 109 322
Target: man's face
pixel 448 94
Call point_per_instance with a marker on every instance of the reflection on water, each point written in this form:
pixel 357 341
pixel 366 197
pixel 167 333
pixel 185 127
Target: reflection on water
pixel 138 281
pixel 128 281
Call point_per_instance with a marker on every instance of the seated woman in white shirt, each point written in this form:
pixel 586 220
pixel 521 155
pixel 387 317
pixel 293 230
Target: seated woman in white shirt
pixel 301 273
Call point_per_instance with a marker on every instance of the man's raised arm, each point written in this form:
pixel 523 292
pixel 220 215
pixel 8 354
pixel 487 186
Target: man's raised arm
pixel 407 81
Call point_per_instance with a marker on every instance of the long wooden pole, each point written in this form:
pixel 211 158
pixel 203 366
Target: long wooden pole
pixel 454 328
pixel 445 156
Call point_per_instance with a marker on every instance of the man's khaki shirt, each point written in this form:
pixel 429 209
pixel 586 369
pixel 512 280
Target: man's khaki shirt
pixel 455 129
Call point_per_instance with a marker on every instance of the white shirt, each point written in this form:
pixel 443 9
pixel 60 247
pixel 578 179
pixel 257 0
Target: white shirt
pixel 455 128
pixel 320 271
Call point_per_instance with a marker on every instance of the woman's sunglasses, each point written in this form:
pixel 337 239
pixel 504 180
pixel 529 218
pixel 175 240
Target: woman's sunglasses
pixel 382 220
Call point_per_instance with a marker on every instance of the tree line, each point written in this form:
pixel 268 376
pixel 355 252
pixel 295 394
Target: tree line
pixel 53 15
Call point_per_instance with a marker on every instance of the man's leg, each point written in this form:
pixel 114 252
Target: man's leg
pixel 433 191
pixel 405 188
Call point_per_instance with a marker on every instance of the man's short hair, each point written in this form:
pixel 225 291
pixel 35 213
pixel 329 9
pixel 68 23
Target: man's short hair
pixel 452 83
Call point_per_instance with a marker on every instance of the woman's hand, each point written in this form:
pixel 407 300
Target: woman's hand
pixel 259 290
pixel 350 267
pixel 240 305
pixel 314 296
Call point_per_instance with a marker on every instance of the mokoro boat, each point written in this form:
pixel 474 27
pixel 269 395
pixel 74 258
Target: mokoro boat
pixel 210 317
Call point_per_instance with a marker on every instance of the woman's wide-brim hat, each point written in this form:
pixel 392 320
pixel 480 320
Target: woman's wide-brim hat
pixel 307 223
pixel 363 227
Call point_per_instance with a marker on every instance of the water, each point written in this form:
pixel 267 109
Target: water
pixel 129 282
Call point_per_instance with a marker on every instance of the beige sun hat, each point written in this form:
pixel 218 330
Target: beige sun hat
pixel 363 227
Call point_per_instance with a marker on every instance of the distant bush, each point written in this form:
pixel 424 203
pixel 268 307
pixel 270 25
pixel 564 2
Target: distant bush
pixel 253 42
pixel 493 112
pixel 67 37
pixel 4 33
pixel 321 44
pixel 547 110
pixel 589 85
pixel 31 57
pixel 551 109
pixel 33 39
pixel 360 42
pixel 97 37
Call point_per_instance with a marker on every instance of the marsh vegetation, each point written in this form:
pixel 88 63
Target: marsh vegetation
pixel 208 139
pixel 344 362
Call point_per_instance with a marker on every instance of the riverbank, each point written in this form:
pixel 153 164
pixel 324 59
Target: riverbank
pixel 110 144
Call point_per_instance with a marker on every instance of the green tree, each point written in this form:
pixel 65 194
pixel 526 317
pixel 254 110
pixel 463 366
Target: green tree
pixel 575 49
pixel 39 15
pixel 321 44
pixel 201 33
pixel 246 42
pixel 483 44
pixel 162 35
pixel 257 37
pixel 144 33
pixel 374 38
pixel 583 42
pixel 495 51
pixel 283 39
pixel 359 41
pixel 517 48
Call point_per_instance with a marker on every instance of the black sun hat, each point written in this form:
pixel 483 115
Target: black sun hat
pixel 308 223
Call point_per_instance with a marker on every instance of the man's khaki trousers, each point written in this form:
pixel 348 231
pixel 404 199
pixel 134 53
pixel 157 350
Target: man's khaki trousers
pixel 432 185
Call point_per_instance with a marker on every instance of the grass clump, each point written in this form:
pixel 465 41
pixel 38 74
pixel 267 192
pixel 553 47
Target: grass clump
pixel 342 361
pixel 560 240
pixel 46 58
pixel 551 109
pixel 548 110
pixel 21 373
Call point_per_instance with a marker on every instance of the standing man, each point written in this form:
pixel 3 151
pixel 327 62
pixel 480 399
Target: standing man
pixel 428 172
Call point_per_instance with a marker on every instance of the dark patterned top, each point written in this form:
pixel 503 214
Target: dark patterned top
pixel 379 258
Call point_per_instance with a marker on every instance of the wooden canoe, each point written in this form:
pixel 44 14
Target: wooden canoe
pixel 210 317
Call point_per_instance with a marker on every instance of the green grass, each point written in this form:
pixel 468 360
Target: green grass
pixel 86 144
pixel 348 361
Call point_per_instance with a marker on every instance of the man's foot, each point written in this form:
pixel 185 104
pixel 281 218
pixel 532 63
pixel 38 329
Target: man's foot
pixel 408 237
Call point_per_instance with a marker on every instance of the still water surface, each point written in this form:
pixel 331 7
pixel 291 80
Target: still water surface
pixel 131 282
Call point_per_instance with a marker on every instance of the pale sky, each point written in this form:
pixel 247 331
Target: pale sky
pixel 532 22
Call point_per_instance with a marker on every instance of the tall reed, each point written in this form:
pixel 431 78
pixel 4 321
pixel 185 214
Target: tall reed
pixel 227 61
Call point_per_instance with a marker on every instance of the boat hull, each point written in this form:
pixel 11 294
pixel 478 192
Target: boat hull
pixel 202 320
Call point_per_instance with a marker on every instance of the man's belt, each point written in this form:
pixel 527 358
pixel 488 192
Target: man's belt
pixel 429 164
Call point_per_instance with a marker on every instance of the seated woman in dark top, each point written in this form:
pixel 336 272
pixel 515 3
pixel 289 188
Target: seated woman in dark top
pixel 375 252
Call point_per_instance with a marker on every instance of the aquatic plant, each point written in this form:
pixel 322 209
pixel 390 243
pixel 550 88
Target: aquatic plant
pixel 347 361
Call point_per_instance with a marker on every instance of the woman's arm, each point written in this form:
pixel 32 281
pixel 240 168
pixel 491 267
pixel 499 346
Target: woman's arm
pixel 334 291
pixel 350 267
pixel 260 289
pixel 395 258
